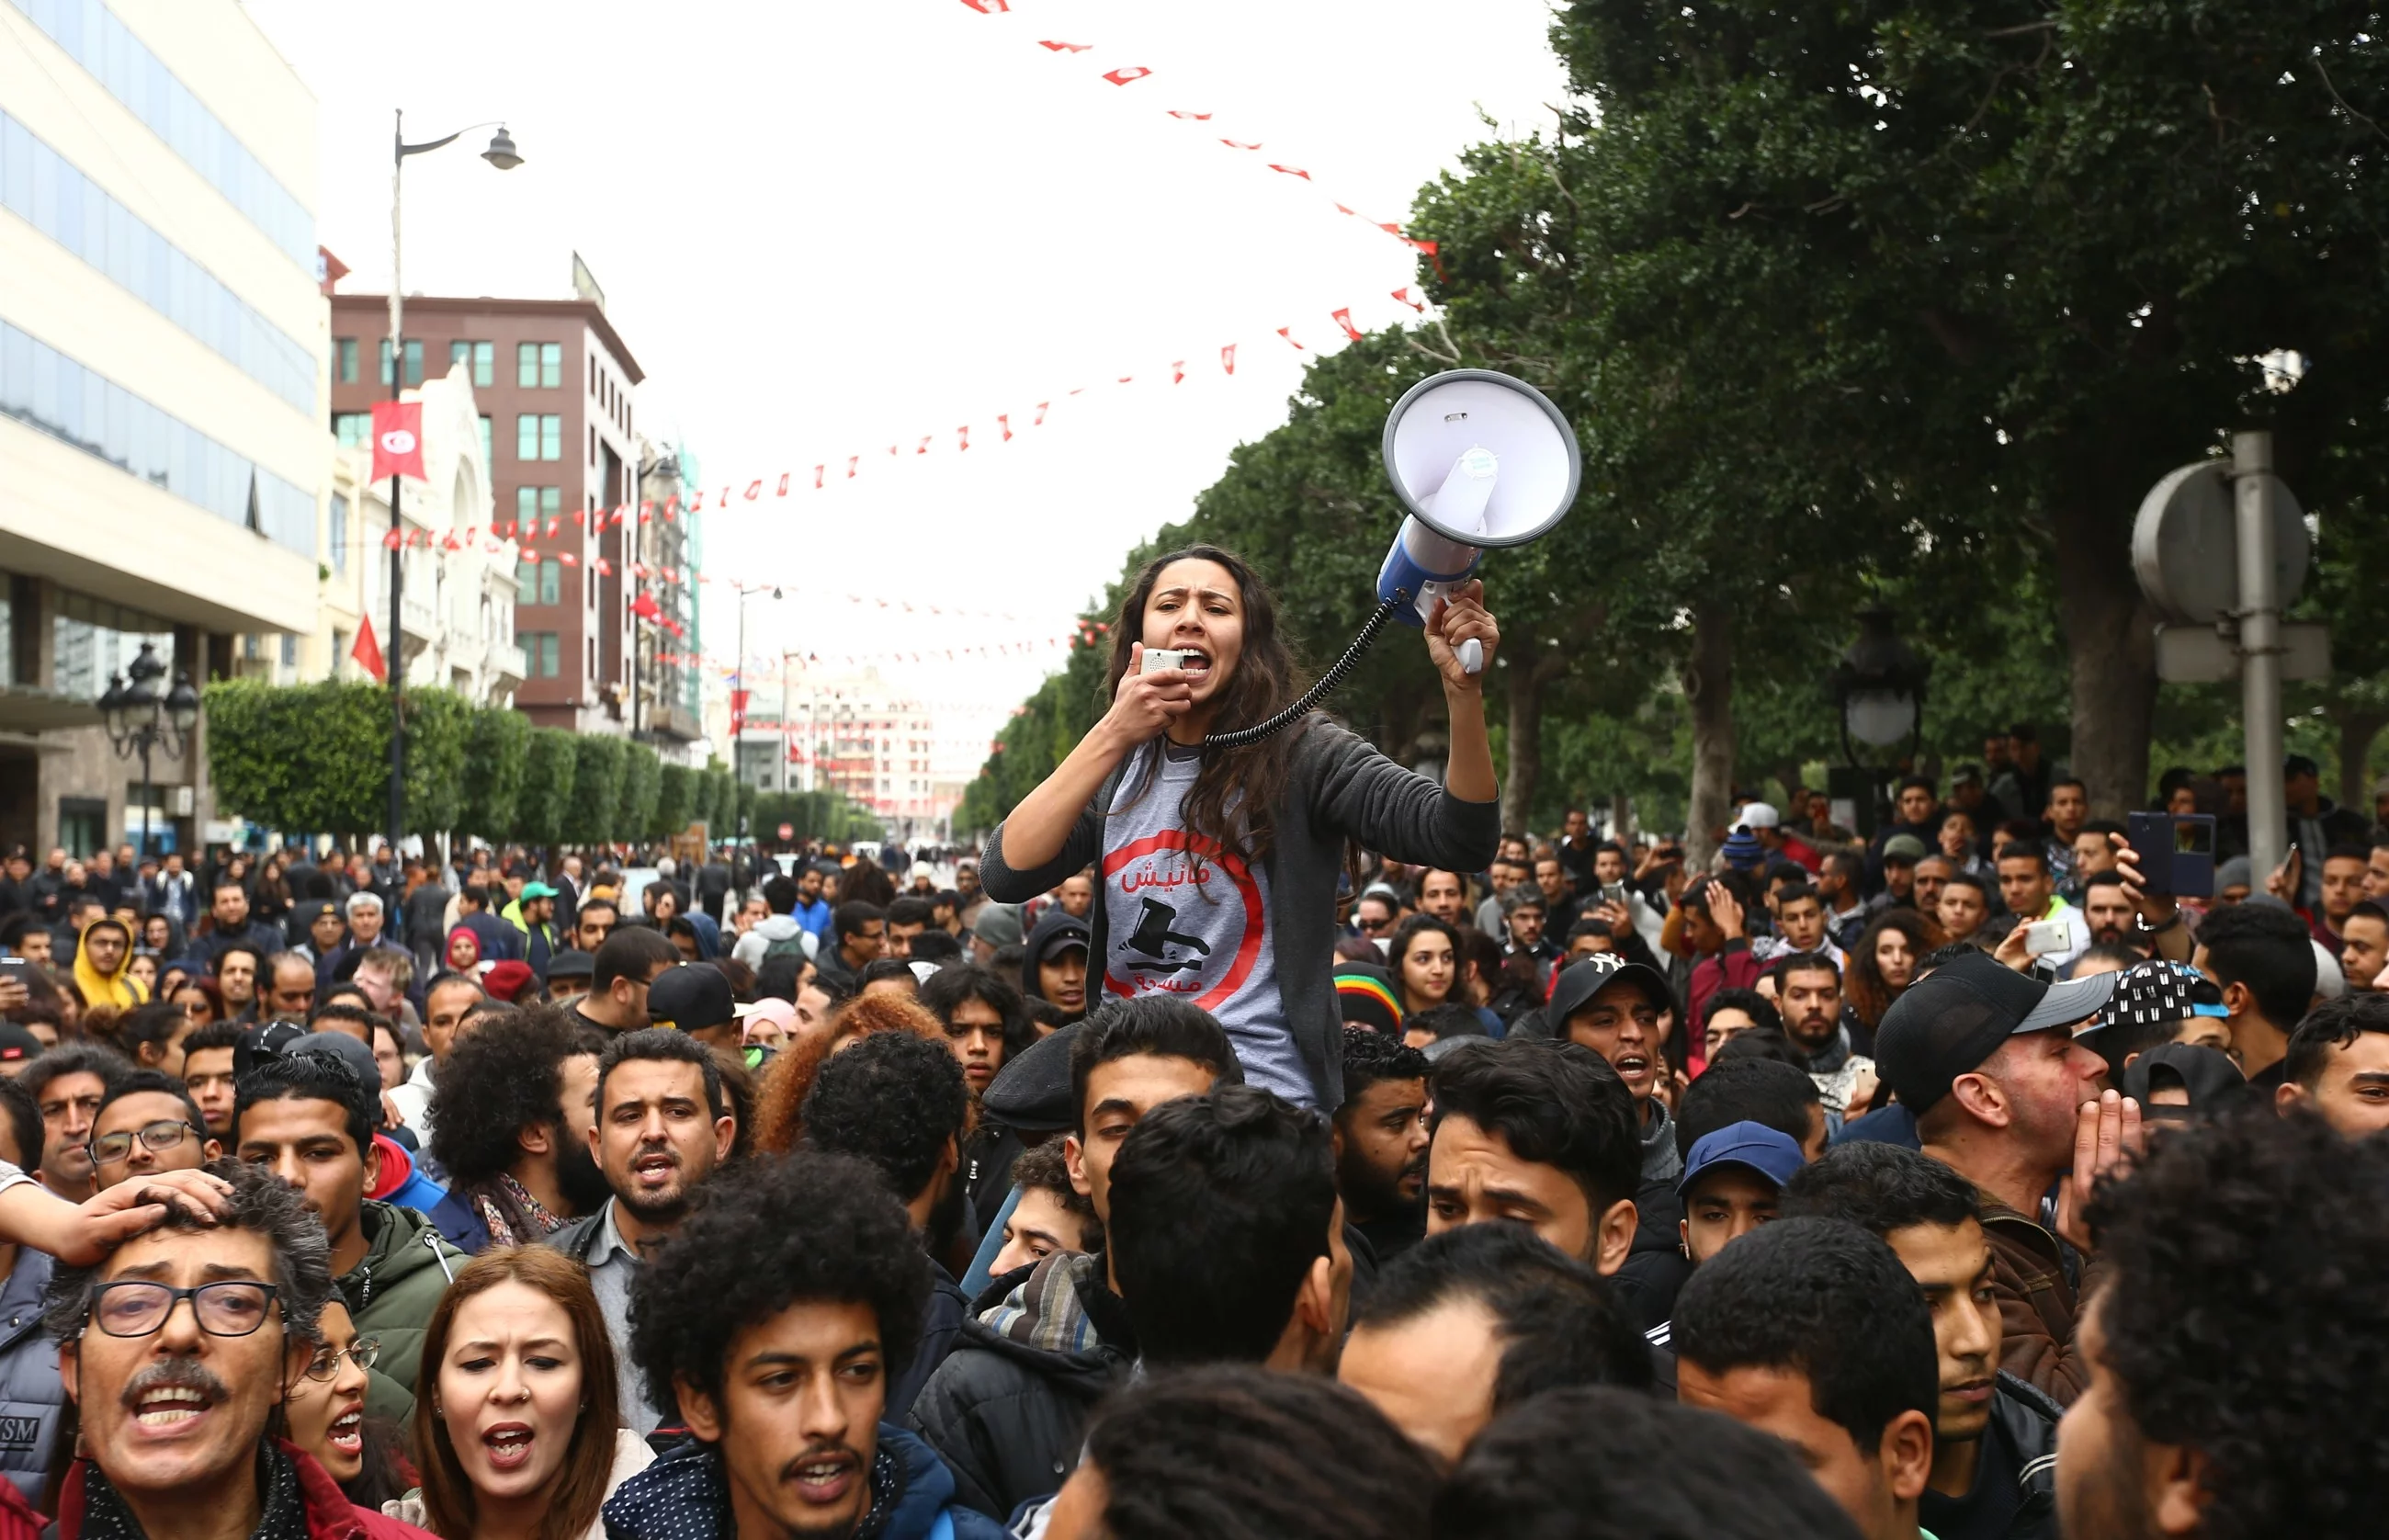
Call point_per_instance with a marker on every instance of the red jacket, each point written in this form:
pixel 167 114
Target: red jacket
pixel 1733 968
pixel 330 1515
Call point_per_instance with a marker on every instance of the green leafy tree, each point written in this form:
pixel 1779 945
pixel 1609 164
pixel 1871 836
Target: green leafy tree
pixel 641 780
pixel 497 757
pixel 439 729
pixel 593 815
pixel 315 757
pixel 550 768
pixel 1988 270
pixel 676 790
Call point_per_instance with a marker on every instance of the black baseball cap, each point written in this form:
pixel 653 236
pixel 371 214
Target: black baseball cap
pixel 691 997
pixel 18 1044
pixel 1031 1093
pixel 572 963
pixel 1948 1021
pixel 1588 976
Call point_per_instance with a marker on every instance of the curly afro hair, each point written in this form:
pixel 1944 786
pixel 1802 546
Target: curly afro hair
pixel 894 1099
pixel 498 1081
pixel 805 1228
pixel 780 1101
pixel 2246 1318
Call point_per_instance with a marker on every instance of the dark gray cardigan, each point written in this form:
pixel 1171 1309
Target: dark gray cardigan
pixel 1338 786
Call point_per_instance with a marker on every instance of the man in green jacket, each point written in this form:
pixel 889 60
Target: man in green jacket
pixel 309 1118
pixel 534 913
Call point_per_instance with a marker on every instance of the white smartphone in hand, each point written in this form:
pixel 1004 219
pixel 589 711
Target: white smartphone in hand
pixel 2045 936
pixel 1158 658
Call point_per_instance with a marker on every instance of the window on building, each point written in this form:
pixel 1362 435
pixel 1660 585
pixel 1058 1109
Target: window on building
pixel 339 532
pixel 345 360
pixel 539 657
pixel 478 357
pixel 526 582
pixel 354 429
pixel 414 361
pixel 290 650
pixel 539 436
pixel 339 650
pixel 533 503
pixel 551 583
pixel 539 365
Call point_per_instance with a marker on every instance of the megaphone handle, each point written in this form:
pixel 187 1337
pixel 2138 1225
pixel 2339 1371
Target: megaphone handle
pixel 1472 657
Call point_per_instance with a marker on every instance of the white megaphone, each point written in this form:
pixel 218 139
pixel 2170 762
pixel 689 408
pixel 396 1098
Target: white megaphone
pixel 1481 461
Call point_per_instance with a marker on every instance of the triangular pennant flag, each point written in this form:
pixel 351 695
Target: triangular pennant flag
pixel 367 651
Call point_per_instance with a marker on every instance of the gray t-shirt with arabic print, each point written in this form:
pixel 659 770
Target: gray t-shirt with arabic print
pixel 1195 926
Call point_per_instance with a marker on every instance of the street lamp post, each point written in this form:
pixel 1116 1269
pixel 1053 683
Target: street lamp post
pixel 1879 699
pixel 738 692
pixel 501 154
pixel 140 721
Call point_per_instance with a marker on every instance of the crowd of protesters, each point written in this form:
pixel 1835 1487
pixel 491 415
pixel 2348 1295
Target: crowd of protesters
pixel 1940 1182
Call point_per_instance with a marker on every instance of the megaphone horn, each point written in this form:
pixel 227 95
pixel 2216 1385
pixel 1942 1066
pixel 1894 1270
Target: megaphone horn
pixel 1480 461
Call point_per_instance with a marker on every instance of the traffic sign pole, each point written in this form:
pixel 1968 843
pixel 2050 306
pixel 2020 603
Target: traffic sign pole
pixel 2260 652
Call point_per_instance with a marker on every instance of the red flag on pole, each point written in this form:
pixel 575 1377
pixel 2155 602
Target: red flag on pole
pixel 398 439
pixel 367 652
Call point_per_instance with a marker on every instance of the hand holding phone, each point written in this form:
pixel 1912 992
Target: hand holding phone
pixel 2044 935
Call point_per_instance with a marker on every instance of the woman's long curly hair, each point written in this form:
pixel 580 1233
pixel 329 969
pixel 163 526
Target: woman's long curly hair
pixel 1267 679
pixel 1870 995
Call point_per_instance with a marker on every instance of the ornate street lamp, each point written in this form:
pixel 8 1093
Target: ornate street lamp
pixel 1879 689
pixel 141 722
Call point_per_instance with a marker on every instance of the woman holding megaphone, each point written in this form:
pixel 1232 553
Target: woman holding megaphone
pixel 1217 868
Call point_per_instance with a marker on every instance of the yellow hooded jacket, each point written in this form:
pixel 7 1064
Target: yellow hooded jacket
pixel 119 988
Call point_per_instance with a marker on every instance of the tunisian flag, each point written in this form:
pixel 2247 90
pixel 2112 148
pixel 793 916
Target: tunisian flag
pixel 367 652
pixel 398 439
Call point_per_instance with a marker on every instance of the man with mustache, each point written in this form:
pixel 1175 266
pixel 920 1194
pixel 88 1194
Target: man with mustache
pixel 1380 1141
pixel 177 1347
pixel 663 1124
pixel 775 1321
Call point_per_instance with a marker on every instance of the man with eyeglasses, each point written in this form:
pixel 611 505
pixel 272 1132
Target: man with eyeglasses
pixel 148 1123
pixel 176 1348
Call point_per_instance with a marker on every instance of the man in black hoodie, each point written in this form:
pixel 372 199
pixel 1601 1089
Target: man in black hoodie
pixel 1008 1407
pixel 1056 965
pixel 1994 1436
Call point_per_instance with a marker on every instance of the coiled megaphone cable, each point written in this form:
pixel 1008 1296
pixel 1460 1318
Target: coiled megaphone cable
pixel 1321 691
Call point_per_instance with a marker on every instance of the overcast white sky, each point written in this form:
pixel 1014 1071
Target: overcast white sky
pixel 827 228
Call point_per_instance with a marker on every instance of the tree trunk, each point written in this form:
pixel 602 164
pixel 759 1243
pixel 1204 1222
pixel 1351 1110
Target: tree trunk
pixel 1525 732
pixel 1709 686
pixel 1621 819
pixel 2109 631
pixel 2358 725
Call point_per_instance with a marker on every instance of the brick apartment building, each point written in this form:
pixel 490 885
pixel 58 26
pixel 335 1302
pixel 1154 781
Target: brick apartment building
pixel 552 382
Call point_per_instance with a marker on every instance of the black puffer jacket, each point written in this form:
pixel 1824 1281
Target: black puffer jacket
pixel 1007 1410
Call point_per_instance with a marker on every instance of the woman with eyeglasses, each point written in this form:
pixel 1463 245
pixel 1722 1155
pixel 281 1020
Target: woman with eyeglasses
pixel 517 1406
pixel 326 1412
